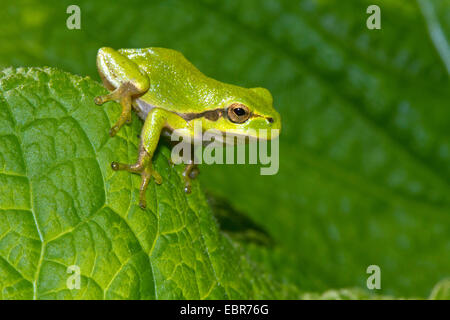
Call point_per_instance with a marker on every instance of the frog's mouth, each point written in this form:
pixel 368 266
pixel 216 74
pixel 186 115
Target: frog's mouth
pixel 226 138
pixel 231 138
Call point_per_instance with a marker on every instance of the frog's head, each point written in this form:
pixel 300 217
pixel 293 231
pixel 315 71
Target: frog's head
pixel 249 112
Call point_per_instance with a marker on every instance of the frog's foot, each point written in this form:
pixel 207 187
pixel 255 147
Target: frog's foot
pixel 190 172
pixel 143 167
pixel 123 94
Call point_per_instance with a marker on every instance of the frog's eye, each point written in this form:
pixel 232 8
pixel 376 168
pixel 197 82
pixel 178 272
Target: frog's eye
pixel 238 113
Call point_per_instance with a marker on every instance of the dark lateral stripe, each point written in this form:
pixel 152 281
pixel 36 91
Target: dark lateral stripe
pixel 212 115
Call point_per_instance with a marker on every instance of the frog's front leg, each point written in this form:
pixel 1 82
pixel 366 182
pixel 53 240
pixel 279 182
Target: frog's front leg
pixel 125 78
pixel 156 121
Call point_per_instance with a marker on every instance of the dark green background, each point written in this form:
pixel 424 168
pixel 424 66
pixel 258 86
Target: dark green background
pixel 365 149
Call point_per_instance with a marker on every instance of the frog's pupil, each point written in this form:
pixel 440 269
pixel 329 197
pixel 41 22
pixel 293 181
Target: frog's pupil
pixel 239 112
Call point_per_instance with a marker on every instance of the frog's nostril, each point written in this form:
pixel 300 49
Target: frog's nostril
pixel 270 120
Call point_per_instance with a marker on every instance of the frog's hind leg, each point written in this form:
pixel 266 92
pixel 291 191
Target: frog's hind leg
pixel 190 172
pixel 122 75
pixel 123 94
pixel 143 166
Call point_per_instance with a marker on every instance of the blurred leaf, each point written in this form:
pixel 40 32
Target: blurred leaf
pixel 345 294
pixel 441 291
pixel 436 13
pixel 365 146
pixel 62 205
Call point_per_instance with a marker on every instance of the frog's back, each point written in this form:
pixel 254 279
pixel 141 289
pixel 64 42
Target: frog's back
pixel 175 83
pixel 150 58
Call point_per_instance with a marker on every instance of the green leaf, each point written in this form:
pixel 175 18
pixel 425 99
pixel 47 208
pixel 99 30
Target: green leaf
pixel 62 205
pixel 345 294
pixel 365 146
pixel 441 291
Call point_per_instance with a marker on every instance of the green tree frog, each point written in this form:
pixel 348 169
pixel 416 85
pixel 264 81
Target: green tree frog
pixel 169 93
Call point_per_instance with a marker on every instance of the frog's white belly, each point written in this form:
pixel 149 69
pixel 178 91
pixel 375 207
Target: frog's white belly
pixel 142 108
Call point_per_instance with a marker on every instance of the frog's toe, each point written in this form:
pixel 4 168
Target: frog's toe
pixel 157 177
pixel 116 166
pixel 145 179
pixel 125 118
pixel 194 173
pixel 146 176
pixel 143 203
pixel 99 100
pixel 113 131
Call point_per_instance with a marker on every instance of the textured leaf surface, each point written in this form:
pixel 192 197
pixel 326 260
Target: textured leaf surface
pixel 365 147
pixel 62 205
